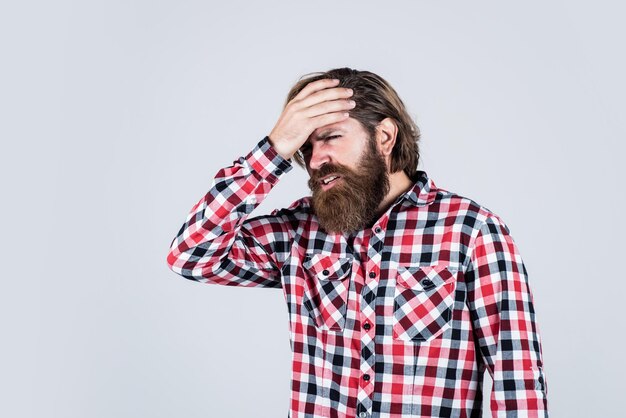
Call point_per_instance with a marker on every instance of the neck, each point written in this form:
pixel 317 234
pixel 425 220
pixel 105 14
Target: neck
pixel 399 183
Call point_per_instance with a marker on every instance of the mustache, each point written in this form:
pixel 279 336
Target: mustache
pixel 326 169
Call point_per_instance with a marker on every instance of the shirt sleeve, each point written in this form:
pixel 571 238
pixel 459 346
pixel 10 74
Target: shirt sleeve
pixel 503 317
pixel 217 244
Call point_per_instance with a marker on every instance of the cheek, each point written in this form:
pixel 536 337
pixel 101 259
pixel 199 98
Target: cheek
pixel 353 159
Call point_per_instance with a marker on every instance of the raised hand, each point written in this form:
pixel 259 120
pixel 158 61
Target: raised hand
pixel 318 104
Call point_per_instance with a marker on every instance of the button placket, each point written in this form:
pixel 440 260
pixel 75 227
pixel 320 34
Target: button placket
pixel 372 259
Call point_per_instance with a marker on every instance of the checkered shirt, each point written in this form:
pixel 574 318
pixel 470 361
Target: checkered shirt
pixel 398 320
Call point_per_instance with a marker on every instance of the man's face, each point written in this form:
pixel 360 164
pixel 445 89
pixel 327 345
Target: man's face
pixel 344 151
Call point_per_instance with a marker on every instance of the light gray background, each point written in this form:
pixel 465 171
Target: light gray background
pixel 117 114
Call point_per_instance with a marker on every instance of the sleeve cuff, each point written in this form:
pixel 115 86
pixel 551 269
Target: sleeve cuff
pixel 266 161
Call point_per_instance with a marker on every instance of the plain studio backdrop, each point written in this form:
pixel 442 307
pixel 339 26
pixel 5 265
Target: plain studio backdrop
pixel 116 115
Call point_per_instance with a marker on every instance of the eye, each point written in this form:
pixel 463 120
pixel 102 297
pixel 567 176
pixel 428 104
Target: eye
pixel 333 136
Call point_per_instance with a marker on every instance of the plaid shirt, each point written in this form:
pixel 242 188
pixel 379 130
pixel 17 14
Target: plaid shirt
pixel 397 320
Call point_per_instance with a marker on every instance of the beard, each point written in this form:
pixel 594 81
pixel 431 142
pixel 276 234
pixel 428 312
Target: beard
pixel 352 203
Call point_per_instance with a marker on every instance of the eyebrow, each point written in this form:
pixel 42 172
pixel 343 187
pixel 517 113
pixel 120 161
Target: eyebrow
pixel 327 132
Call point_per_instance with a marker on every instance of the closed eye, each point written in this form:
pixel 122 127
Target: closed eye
pixel 306 149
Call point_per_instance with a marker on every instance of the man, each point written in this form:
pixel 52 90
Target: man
pixel 400 294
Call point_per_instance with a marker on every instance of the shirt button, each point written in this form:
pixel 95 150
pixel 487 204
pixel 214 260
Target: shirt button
pixel 362 414
pixel 377 230
pixel 279 172
pixel 366 377
pixel 427 283
pixel 367 326
pixel 372 274
pixel 325 272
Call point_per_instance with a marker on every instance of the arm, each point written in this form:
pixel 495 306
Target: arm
pixel 503 317
pixel 216 244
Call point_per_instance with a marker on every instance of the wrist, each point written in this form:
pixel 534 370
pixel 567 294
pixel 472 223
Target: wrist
pixel 276 146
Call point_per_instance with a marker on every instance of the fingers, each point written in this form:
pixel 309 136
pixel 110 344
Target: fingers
pixel 324 105
pixel 314 86
pixel 328 107
pixel 324 95
pixel 328 119
pixel 323 99
pixel 319 91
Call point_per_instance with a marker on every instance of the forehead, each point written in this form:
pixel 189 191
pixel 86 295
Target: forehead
pixel 349 125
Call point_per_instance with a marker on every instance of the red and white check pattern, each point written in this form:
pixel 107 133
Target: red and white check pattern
pixel 398 320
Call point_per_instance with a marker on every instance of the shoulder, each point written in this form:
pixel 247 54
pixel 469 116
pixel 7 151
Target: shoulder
pixel 475 213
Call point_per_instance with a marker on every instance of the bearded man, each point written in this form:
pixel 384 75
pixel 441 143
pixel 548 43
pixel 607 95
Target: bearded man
pixel 400 293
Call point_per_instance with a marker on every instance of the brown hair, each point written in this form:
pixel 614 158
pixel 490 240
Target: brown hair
pixel 375 100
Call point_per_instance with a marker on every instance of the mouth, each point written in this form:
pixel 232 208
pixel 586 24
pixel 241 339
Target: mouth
pixel 329 181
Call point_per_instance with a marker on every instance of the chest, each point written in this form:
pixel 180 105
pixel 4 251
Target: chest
pixel 403 275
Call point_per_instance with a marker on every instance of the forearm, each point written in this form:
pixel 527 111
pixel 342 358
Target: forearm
pixel 212 229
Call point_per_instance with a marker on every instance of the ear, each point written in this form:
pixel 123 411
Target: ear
pixel 386 132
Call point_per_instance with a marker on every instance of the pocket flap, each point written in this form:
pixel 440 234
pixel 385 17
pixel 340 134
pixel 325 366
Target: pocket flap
pixel 328 267
pixel 425 278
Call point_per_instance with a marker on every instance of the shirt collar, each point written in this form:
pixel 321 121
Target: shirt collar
pixel 423 191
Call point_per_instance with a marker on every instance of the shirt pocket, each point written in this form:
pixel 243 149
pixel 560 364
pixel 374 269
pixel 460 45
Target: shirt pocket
pixel 423 301
pixel 327 281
